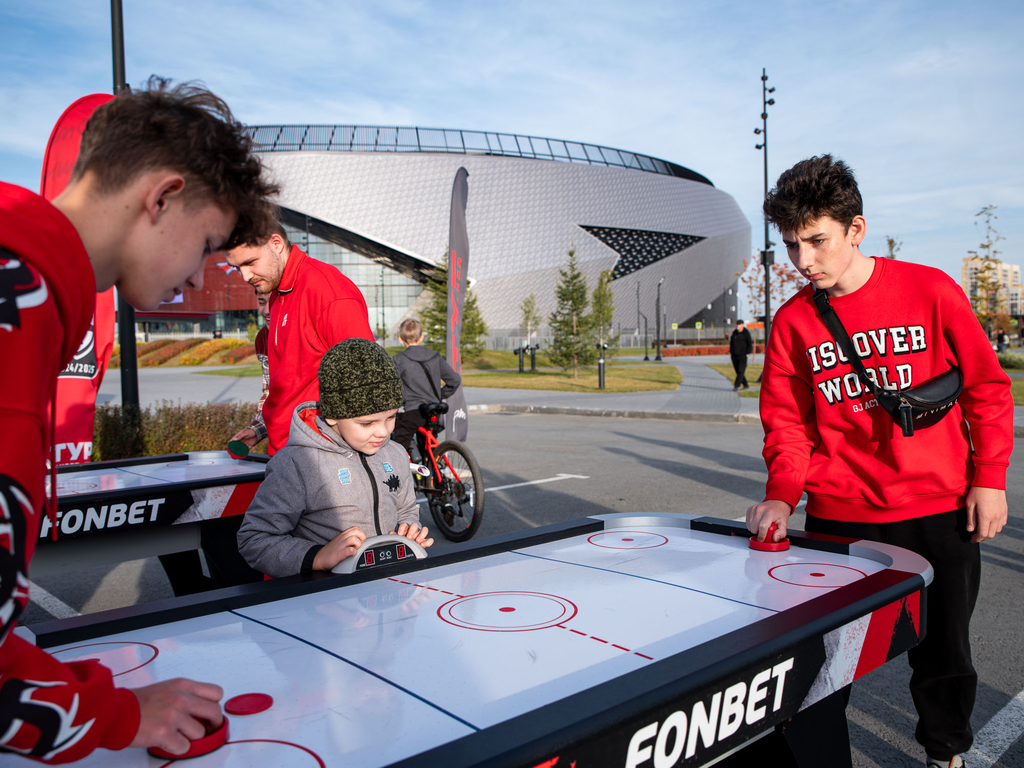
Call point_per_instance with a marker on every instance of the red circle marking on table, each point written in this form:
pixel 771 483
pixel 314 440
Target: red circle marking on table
pixel 455 611
pixel 156 652
pixel 660 540
pixel 199 747
pixel 248 703
pixel 308 751
pixel 842 572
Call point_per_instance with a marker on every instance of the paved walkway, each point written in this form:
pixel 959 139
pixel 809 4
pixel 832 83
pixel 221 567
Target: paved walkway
pixel 704 395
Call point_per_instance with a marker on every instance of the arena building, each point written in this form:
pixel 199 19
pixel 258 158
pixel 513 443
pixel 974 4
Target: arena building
pixel 375 201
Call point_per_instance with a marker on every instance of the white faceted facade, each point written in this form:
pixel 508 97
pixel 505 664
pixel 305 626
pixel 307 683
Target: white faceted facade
pixel 523 215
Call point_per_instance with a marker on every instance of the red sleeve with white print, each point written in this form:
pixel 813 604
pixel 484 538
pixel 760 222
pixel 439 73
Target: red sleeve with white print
pixel 49 710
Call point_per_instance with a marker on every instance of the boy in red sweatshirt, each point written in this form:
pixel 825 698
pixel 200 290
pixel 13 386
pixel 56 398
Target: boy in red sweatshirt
pixel 939 492
pixel 164 178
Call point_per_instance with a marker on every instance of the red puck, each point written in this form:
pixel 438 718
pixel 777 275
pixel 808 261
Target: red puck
pixel 768 545
pixel 248 704
pixel 214 739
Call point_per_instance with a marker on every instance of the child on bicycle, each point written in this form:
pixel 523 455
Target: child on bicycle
pixel 421 368
pixel 339 479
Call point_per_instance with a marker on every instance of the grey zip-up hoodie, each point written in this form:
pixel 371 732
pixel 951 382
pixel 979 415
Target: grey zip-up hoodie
pixel 315 488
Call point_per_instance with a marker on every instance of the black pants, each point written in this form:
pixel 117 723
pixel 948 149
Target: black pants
pixel 739 364
pixel 406 425
pixel 944 682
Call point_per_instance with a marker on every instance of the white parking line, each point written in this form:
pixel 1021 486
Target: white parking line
pixel 556 478
pixel 52 605
pixel 998 734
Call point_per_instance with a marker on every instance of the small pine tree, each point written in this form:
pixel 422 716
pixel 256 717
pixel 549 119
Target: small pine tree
pixel 434 317
pixel 570 323
pixel 602 311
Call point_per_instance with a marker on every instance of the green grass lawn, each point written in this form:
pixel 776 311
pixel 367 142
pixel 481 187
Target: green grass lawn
pixel 620 378
pixel 753 373
pixel 235 372
pixel 1017 390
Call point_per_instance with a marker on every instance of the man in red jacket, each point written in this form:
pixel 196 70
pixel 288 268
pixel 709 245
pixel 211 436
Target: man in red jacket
pixel 939 492
pixel 312 307
pixel 164 178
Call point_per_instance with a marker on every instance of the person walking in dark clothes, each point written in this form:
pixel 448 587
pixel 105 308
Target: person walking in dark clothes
pixel 421 369
pixel 740 345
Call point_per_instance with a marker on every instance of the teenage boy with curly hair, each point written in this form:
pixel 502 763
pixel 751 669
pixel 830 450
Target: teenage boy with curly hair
pixel 939 492
pixel 164 177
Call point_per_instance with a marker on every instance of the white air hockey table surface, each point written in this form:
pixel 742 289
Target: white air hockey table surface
pixel 634 640
pixel 127 509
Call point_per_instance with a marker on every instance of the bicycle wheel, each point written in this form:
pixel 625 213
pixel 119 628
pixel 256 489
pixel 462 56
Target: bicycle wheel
pixel 457 506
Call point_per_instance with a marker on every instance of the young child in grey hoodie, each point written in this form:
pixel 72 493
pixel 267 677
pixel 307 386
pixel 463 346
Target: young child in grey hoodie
pixel 340 478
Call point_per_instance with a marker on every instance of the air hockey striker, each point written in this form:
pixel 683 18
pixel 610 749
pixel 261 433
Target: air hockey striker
pixel 642 641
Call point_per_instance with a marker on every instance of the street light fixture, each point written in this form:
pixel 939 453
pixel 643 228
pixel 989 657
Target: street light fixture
pixel 657 322
pixel 767 255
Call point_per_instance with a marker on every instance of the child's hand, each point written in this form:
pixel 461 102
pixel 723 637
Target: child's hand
pixel 413 532
pixel 337 549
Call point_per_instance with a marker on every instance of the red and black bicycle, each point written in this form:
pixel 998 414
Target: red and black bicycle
pixel 448 477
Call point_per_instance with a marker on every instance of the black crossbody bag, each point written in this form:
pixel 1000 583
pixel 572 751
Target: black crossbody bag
pixel 915 408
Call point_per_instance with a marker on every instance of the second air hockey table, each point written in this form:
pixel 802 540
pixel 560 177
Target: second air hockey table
pixel 128 509
pixel 643 641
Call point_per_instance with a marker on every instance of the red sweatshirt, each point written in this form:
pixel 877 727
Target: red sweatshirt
pixel 313 308
pixel 825 436
pixel 49 710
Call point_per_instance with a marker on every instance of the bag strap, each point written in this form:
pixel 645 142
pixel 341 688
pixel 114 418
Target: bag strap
pixel 893 403
pixel 433 384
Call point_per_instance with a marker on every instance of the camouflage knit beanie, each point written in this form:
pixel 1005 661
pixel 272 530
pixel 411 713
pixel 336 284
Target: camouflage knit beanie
pixel 357 378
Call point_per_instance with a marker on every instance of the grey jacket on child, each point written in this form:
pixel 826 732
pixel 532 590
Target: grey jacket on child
pixel 315 488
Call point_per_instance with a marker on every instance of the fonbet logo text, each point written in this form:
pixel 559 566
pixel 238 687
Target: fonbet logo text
pixel 72 521
pixel 728 710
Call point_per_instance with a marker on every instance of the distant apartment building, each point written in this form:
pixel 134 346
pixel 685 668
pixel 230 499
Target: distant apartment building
pixel 1010 291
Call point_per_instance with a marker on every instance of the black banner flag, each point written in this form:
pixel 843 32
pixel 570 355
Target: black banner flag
pixel 458 265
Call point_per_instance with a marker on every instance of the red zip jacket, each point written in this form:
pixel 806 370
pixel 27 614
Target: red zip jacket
pixel 49 710
pixel 823 435
pixel 313 308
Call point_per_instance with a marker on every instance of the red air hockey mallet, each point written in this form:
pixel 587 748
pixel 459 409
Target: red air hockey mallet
pixel 237 449
pixel 214 739
pixel 768 545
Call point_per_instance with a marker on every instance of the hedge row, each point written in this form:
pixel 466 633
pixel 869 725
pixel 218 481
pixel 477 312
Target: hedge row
pixel 173 349
pixel 208 349
pixel 167 428
pixel 238 353
pixel 694 351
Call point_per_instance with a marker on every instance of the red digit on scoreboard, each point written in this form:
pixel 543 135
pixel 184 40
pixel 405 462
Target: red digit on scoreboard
pixel 368 555
pixel 401 551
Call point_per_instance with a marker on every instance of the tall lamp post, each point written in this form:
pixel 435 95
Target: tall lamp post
pixel 767 255
pixel 125 311
pixel 657 322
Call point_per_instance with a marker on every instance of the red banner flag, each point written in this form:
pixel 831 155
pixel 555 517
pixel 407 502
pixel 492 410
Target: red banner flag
pixel 80 380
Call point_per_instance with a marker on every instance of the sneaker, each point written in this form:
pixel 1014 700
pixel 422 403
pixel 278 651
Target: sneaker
pixel 956 762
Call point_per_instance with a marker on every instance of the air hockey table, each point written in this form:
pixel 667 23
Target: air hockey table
pixel 107 510
pixel 636 640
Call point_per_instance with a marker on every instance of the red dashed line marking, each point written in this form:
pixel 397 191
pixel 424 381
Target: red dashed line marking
pixel 561 626
pixel 424 586
pixel 613 645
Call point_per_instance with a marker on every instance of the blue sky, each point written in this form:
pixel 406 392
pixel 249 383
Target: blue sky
pixel 922 99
